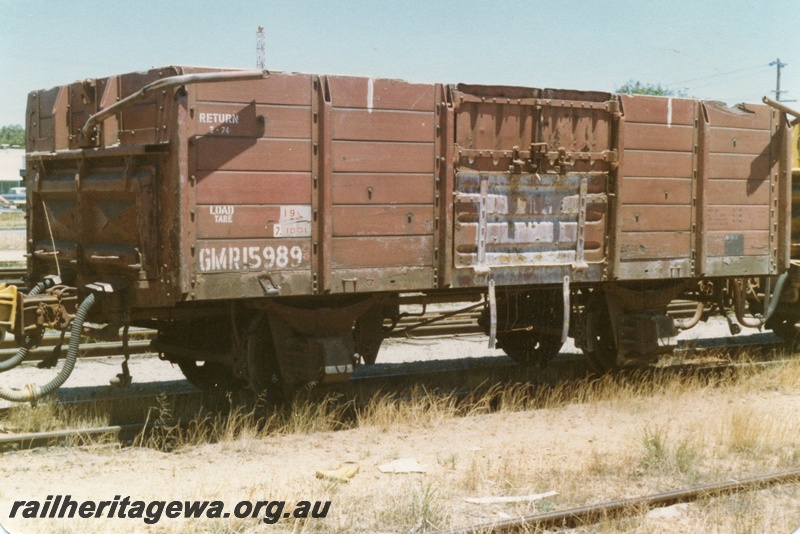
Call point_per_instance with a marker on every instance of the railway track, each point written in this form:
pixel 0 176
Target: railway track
pixel 126 415
pixel 125 411
pixel 587 515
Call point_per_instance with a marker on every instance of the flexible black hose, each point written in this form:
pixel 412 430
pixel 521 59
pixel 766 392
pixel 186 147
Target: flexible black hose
pixel 776 295
pixel 33 392
pixel 26 346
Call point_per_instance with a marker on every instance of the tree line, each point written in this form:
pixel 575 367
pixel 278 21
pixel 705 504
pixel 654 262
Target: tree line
pixel 13 134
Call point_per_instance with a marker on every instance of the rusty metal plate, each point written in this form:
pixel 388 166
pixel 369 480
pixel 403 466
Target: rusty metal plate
pixel 528 220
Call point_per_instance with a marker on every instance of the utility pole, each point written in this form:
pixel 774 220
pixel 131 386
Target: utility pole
pixel 261 53
pixel 777 63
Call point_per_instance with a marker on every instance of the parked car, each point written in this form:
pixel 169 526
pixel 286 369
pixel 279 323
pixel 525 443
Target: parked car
pixel 16 197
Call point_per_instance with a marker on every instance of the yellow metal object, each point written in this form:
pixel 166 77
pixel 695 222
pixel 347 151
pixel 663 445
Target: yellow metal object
pixel 8 307
pixel 796 150
pixel 796 192
pixel 343 473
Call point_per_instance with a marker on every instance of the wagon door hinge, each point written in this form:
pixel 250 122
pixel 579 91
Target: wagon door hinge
pixel 517 163
pixel 612 157
pixel 614 108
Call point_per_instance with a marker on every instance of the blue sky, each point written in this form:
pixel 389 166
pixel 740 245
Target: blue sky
pixel 718 50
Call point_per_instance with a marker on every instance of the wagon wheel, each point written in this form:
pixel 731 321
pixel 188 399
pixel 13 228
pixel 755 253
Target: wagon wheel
pixel 262 361
pixel 529 348
pixel 604 356
pixel 784 328
pixel 368 335
pixel 543 312
pixel 209 376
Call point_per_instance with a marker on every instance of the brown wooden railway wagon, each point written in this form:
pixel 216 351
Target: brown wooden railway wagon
pixel 270 224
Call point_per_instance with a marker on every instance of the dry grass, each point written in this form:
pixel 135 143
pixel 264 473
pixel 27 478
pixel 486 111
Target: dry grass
pixel 16 220
pixel 591 440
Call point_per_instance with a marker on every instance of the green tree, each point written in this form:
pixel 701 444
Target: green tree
pixel 13 134
pixel 635 87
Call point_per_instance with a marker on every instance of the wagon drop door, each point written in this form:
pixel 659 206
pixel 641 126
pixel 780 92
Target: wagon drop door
pixel 532 175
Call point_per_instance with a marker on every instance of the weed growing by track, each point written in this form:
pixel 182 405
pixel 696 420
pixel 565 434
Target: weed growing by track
pixel 592 440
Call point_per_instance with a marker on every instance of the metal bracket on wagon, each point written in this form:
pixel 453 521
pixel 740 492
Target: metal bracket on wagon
pixel 89 133
pixel 54 308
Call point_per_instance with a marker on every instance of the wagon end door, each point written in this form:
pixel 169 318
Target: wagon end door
pixel 533 170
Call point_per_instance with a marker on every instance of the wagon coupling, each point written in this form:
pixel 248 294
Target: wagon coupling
pixel 32 392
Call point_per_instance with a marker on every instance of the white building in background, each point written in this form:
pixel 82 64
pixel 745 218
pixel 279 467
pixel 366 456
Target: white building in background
pixel 12 167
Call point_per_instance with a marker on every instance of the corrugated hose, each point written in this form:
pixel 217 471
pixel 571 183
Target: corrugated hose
pixel 32 392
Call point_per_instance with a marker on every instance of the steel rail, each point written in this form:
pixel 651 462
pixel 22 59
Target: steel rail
pixel 586 515
pixel 87 350
pixel 33 437
pixel 361 389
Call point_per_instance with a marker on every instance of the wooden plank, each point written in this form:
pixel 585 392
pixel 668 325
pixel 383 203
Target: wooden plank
pixel 253 188
pixel 243 154
pixel 737 218
pixel 382 279
pixel 377 93
pixel 732 192
pixel 657 190
pixel 647 163
pixel 650 218
pixel 739 141
pixel 640 136
pixel 382 189
pixel 736 166
pixel 234 222
pixel 739 266
pixel 362 252
pixel 658 110
pixel 382 220
pixel 350 156
pixel 253 120
pixel 362 125
pixel 654 245
pixel 655 269
pixel 738 243
pixel 756 117
pixel 260 221
pixel 217 256
pixel 279 88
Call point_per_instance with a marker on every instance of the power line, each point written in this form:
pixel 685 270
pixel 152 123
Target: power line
pixel 762 66
pixel 719 82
